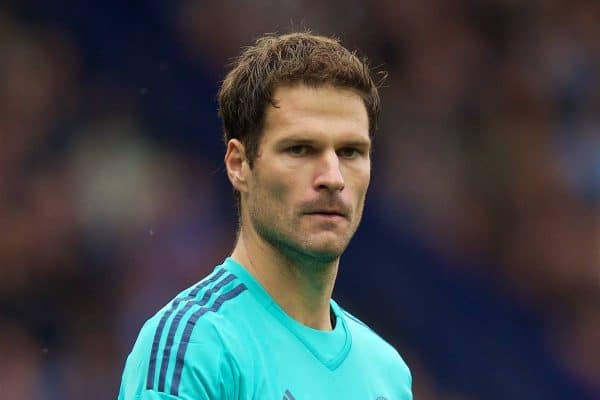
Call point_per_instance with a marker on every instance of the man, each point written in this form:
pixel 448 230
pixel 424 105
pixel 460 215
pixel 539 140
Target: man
pixel 298 111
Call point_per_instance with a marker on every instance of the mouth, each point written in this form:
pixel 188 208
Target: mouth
pixel 328 214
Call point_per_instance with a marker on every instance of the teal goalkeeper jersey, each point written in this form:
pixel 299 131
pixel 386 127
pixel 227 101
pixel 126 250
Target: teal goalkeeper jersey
pixel 227 339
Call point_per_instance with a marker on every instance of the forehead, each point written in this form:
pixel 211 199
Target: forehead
pixel 323 111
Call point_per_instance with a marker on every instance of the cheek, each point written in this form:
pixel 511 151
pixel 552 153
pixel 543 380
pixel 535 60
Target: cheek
pixel 360 182
pixel 278 191
pixel 275 196
pixel 362 185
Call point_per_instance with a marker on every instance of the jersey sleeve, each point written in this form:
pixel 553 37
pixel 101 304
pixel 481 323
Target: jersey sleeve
pixel 201 368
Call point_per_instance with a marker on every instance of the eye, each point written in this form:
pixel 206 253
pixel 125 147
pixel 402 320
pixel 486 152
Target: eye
pixel 349 152
pixel 298 150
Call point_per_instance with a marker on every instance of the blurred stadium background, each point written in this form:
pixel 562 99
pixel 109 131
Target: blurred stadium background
pixel 479 254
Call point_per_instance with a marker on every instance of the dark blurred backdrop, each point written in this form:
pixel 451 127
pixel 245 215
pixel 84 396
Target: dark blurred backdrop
pixel 479 254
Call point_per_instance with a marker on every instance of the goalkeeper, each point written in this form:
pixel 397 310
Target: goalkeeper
pixel 299 111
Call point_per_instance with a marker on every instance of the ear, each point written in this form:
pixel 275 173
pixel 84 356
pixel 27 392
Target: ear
pixel 237 165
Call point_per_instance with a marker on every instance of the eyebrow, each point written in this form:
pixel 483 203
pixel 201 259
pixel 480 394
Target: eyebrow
pixel 306 139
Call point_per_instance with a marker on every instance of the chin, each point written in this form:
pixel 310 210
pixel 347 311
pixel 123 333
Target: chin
pixel 322 256
pixel 326 252
pixel 319 251
pixel 323 247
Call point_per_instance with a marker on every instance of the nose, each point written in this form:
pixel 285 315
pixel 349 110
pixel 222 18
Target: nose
pixel 329 176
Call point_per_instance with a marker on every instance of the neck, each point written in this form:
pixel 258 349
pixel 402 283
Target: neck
pixel 302 288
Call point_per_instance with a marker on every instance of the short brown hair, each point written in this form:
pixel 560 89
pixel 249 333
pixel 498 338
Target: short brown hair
pixel 274 60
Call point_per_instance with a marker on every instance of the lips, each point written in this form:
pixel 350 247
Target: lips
pixel 328 208
pixel 329 212
pixel 335 218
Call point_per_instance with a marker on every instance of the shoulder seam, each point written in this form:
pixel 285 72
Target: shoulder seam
pixel 189 303
pixel 189 327
pixel 352 317
pixel 358 321
pixel 158 334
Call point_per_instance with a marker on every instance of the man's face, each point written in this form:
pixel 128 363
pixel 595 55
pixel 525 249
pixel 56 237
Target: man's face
pixel 307 188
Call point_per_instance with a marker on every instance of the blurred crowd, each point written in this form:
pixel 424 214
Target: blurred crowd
pixel 113 197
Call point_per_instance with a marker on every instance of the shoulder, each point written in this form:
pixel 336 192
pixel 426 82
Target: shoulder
pixel 181 348
pixel 195 314
pixel 379 349
pixel 365 332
